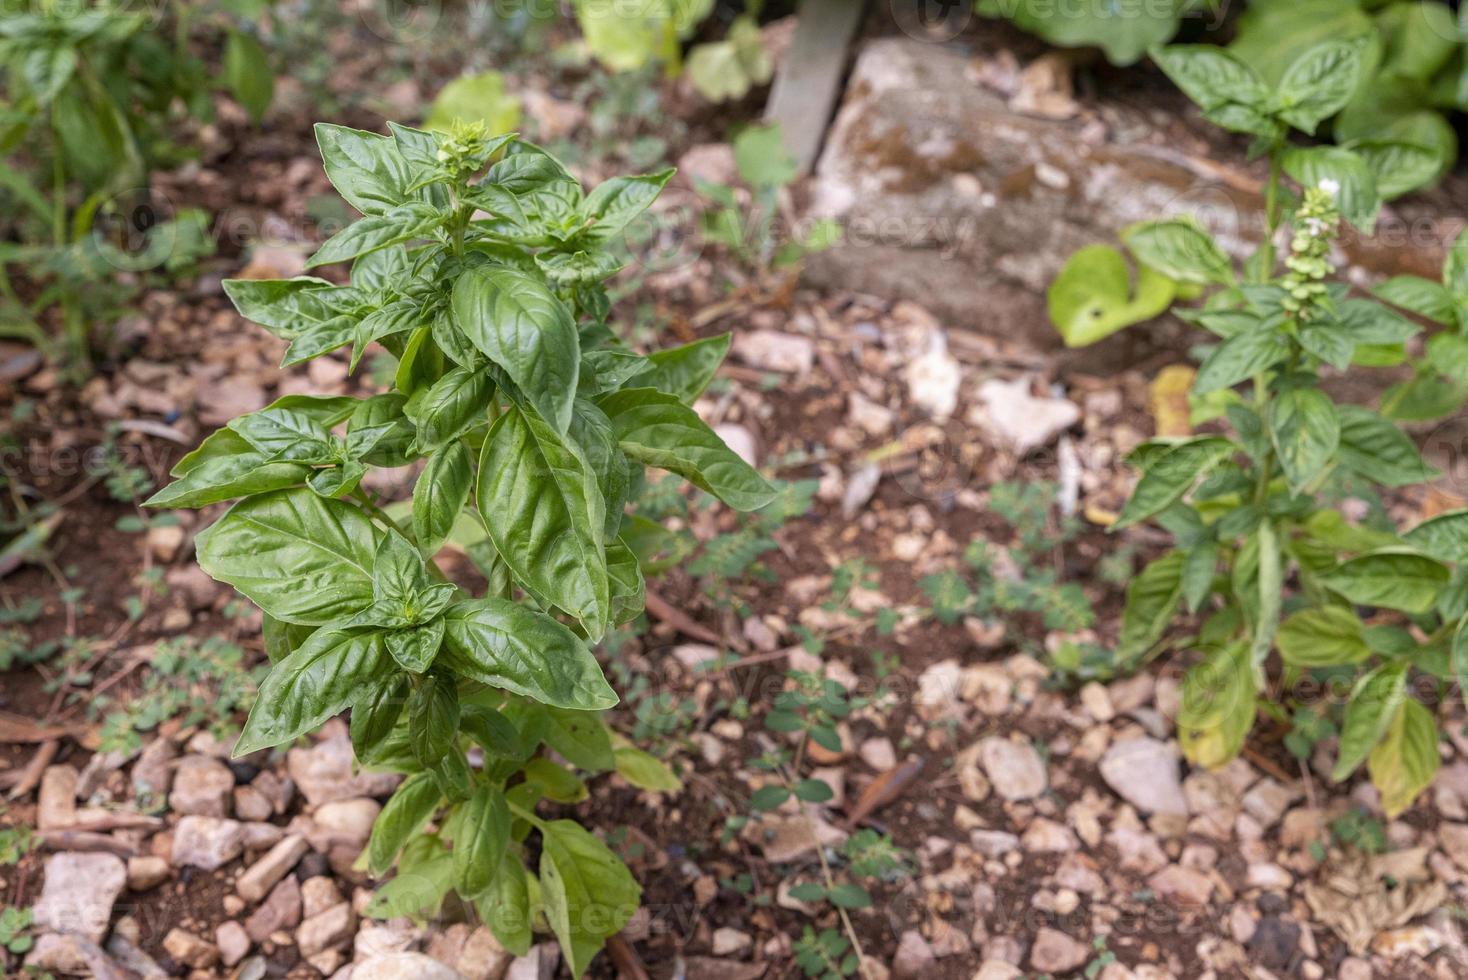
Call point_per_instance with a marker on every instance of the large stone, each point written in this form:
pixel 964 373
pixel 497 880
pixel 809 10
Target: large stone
pixel 950 197
pixel 207 842
pixel 326 930
pixel 1015 768
pixel 201 786
pixel 327 772
pixel 78 894
pixel 1055 952
pixel 1144 772
pixel 56 802
pixel 256 882
pixel 281 910
pixel 403 966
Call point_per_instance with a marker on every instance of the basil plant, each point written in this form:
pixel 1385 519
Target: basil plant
pixel 1359 613
pixel 478 264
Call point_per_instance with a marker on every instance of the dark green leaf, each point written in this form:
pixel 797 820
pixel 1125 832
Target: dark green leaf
pixel 298 556
pixel 479 847
pixel 507 645
pixel 659 430
pixel 440 495
pixel 588 892
pixel 331 671
pixel 544 511
pixel 519 324
pixel 433 717
pixel 401 819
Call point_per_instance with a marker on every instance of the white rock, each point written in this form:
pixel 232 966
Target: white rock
pixel 256 882
pixel 739 439
pixel 731 942
pixel 772 350
pixel 914 957
pixel 1020 421
pixel 347 820
pixel 878 753
pixel 78 893
pixel 1014 768
pixel 207 842
pixel 326 930
pixel 233 942
pixel 146 871
pixel 933 378
pixel 1055 952
pixel 1144 772
pixel 201 786
pixel 867 415
pixel 327 772
pixel 402 966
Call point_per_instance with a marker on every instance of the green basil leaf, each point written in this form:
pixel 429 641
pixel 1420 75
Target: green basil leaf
pixel 415 647
pixel 318 339
pixel 1322 637
pixel 1373 704
pixel 440 495
pixel 433 717
pixel 483 834
pixel 1227 90
pixel 300 557
pixel 1356 195
pixel 374 718
pixel 1092 296
pixel 646 771
pixel 1179 249
pixel 1394 579
pixel 555 782
pixel 285 435
pixel 1151 600
pixel 505 905
pixel 1199 564
pixel 403 223
pixel 495 733
pixel 425 875
pixel 628 590
pixel 1427 299
pixel 659 430
pixel 1171 475
pixel 1218 706
pixel 339 480
pixel 616 202
pixel 456 403
pixel 1444 537
pixel 398 573
pixel 545 513
pixel 1405 761
pixel 684 372
pixel 1376 449
pixel 284 306
pixel 1240 357
pixel 608 368
pixel 1305 431
pixel 519 324
pixel 331 671
pixel 588 892
pixel 365 168
pixel 581 737
pixel 401 819
pixel 227 477
pixel 507 645
pixel 1318 84
pixel 379 432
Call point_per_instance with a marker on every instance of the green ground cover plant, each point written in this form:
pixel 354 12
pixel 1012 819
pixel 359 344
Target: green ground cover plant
pixel 479 263
pixel 1287 590
pixel 91 92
